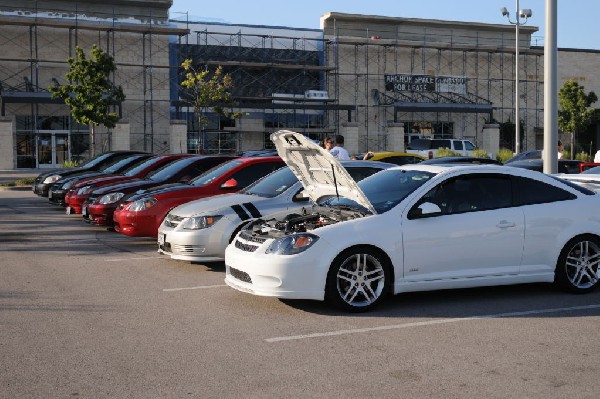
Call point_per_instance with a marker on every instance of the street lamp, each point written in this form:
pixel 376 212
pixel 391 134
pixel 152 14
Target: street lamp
pixel 525 13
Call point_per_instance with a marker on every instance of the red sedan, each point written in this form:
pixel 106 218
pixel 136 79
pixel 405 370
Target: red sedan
pixel 103 201
pixel 142 214
pixel 80 192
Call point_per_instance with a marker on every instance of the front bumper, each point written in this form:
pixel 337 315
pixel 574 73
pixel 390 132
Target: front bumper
pixel 205 245
pixel 57 196
pixel 76 202
pixel 300 276
pixel 41 189
pixel 134 224
pixel 98 214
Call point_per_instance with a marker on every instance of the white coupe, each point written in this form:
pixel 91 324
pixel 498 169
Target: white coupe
pixel 200 230
pixel 417 228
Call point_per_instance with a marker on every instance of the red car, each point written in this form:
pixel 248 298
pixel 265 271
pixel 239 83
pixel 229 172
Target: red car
pixel 103 201
pixel 80 192
pixel 140 215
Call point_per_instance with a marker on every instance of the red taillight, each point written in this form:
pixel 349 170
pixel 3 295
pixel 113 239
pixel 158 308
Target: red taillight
pixel 430 154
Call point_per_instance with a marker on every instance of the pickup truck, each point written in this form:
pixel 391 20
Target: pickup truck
pixel 429 147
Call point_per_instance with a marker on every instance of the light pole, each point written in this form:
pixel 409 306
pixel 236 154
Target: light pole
pixel 525 13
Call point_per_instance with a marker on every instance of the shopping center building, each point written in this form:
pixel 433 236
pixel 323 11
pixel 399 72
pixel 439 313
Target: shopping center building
pixel 377 80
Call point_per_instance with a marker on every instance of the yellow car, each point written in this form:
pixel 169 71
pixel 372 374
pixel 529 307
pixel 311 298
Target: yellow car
pixel 398 158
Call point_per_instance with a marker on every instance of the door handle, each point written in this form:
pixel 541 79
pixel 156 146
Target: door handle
pixel 504 224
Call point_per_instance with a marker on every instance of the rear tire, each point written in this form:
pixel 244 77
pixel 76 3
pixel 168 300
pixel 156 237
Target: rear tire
pixel 577 269
pixel 357 280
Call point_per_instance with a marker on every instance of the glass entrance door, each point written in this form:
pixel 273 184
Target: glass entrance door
pixel 52 148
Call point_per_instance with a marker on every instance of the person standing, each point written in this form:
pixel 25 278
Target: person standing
pixel 561 148
pixel 338 151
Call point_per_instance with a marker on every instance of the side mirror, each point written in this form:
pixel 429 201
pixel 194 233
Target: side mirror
pixel 230 184
pixel 426 209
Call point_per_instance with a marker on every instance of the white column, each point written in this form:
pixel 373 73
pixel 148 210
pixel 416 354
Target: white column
pixel 7 146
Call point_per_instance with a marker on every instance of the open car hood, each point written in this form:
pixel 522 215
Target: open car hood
pixel 318 171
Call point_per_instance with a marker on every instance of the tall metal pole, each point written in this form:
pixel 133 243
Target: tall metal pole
pixel 550 153
pixel 517 119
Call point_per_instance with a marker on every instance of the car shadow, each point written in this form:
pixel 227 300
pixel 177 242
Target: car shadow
pixel 497 301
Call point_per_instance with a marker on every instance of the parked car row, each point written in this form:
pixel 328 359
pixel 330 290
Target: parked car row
pixel 302 225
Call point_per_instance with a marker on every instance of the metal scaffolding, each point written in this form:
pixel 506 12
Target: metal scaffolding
pixel 360 64
pixel 34 57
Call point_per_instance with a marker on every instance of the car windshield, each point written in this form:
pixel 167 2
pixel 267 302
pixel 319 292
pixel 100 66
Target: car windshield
pixel 217 171
pixel 121 165
pixel 134 170
pixel 274 184
pixel 97 160
pixel 386 189
pixel 592 171
pixel 169 170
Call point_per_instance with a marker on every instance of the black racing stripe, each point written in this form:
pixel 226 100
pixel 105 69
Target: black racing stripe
pixel 252 209
pixel 240 212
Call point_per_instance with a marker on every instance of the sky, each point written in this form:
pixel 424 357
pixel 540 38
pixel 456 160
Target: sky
pixel 578 20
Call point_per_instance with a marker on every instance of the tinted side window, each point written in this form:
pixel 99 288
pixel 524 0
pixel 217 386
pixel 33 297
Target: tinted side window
pixel 419 144
pixel 361 173
pixel 472 194
pixel 440 144
pixel 537 192
pixel 254 172
pixel 469 146
pixel 205 164
pixel 458 145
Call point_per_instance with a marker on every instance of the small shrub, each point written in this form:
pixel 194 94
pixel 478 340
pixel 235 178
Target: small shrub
pixel 25 182
pixel 70 164
pixel 8 184
pixel 503 155
pixel 446 152
pixel 480 153
pixel 581 156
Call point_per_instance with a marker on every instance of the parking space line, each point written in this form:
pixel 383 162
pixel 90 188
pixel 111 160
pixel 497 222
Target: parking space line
pixel 141 258
pixel 428 323
pixel 200 287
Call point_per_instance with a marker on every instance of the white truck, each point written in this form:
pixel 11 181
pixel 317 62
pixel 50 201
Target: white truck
pixel 429 147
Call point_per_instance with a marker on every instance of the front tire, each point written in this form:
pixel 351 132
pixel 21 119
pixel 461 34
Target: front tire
pixel 357 280
pixel 577 269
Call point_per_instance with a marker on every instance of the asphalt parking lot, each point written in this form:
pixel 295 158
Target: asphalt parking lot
pixel 86 312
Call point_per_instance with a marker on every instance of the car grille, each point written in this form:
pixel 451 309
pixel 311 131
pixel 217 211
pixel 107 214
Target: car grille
pixel 246 236
pixel 245 247
pixel 172 220
pixel 240 275
pixel 187 249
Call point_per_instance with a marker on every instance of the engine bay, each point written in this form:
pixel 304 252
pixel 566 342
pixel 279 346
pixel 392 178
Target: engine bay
pixel 310 219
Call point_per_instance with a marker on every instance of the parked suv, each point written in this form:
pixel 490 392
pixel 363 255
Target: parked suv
pixel 429 147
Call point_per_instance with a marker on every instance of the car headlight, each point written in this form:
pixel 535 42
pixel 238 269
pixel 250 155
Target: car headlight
pixel 85 190
pixel 110 198
pixel 292 244
pixel 142 204
pixel 52 179
pixel 200 222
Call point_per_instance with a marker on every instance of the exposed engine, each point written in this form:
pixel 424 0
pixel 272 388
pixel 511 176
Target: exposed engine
pixel 310 219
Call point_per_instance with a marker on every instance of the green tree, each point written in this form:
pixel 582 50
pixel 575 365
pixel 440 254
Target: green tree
pixel 207 91
pixel 90 92
pixel 575 113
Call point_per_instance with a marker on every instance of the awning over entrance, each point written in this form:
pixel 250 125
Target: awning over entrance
pixel 434 102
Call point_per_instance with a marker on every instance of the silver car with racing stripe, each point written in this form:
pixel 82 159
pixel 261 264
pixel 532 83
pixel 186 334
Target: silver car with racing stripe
pixel 200 230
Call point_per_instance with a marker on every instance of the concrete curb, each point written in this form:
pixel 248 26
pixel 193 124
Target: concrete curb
pixel 16 188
